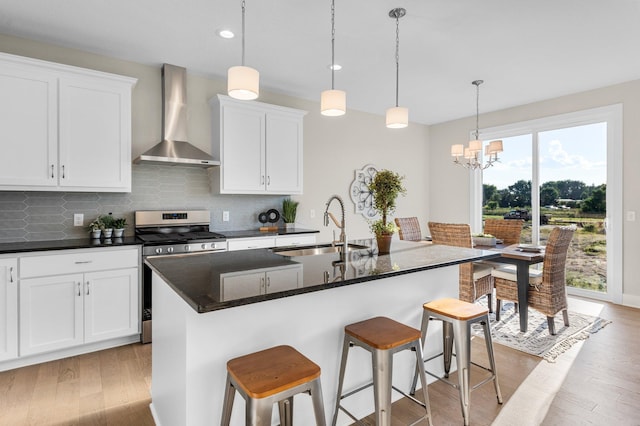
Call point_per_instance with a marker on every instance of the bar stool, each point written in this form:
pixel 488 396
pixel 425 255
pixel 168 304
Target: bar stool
pixel 383 337
pixel 457 317
pixel 269 376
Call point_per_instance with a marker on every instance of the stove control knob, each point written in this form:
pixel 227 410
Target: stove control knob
pixel 159 250
pixel 204 246
pixel 169 249
pixel 187 248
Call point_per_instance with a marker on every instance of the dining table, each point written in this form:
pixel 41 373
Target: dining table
pixel 522 256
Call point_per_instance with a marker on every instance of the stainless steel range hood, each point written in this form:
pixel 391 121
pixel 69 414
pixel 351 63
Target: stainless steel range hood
pixel 174 149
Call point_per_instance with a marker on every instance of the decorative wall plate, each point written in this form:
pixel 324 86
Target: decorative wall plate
pixel 360 193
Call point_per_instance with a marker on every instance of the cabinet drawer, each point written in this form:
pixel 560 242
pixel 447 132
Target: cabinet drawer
pixel 250 243
pixel 82 261
pixel 295 240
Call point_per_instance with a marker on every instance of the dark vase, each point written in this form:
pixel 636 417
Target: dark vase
pixel 384 243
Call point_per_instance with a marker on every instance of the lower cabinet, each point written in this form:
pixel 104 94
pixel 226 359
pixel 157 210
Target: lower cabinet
pixel 270 241
pixel 8 308
pixel 238 285
pixel 68 310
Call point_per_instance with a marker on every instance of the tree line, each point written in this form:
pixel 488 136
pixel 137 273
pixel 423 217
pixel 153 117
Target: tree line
pixel 589 198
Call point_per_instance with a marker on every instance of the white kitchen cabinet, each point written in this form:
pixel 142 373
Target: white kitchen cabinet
pixel 8 308
pixel 77 297
pixel 234 244
pixel 259 145
pixel 295 240
pixel 69 127
pixel 238 285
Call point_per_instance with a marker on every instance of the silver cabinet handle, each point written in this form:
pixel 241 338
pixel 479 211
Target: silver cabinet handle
pixel 268 180
pixel 79 294
pixel 262 180
pixel 52 171
pixel 78 262
pixel 268 281
pixel 11 274
pixel 262 282
pixel 63 171
pixel 88 288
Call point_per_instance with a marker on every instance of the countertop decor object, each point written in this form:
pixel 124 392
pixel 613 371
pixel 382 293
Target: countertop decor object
pixel 385 188
pixel 289 211
pixel 484 240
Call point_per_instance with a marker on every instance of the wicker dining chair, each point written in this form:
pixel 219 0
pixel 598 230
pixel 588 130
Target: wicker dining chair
pixel 547 291
pixel 506 230
pixel 409 228
pixel 475 277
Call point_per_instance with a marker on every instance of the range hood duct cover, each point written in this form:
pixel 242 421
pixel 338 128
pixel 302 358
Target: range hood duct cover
pixel 174 149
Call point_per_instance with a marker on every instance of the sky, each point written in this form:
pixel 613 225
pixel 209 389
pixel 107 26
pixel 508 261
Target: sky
pixel 575 153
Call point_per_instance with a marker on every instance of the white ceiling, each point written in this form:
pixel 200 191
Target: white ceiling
pixel 524 51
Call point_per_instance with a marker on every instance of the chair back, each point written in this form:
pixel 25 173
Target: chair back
pixel 506 230
pixel 451 234
pixel 409 228
pixel 555 257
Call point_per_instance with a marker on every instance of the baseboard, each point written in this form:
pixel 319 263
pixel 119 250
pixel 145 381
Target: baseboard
pixel 65 353
pixel 154 415
pixel 631 300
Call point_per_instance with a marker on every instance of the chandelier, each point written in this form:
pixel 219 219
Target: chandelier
pixel 472 154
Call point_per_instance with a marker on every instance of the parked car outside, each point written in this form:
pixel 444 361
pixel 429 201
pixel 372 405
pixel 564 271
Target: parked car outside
pixel 517 214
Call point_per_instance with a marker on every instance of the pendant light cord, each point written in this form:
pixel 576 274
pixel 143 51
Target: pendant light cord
pixel 333 41
pixel 397 56
pixel 243 7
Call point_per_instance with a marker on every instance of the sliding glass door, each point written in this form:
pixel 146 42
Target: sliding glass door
pixel 556 171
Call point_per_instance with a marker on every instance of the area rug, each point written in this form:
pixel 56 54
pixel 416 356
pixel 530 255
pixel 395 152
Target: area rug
pixel 537 340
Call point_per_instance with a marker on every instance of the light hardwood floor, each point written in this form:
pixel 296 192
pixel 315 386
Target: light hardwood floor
pixel 111 387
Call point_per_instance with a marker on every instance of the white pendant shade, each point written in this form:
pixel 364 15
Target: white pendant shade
pixel 397 117
pixel 457 150
pixel 243 83
pixel 475 146
pixel 333 103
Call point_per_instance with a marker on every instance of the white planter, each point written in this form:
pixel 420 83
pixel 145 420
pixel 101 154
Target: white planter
pixel 107 232
pixel 289 225
pixel 484 241
pixel 118 233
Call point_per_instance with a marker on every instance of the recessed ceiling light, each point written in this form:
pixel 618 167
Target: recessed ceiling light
pixel 226 33
pixel 335 67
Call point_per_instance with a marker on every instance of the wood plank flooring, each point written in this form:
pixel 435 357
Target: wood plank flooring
pixel 111 387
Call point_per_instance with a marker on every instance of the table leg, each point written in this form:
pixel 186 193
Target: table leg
pixel 523 286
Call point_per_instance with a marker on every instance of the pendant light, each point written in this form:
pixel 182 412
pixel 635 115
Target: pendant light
pixel 243 82
pixel 333 102
pixel 397 117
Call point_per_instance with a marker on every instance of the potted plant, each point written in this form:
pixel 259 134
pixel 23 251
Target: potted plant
pixel 95 228
pixel 118 227
pixel 289 209
pixel 385 188
pixel 107 225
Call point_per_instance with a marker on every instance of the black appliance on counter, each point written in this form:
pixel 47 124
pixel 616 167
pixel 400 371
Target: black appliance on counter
pixel 167 233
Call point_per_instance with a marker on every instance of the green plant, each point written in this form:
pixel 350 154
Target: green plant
pixel 96 225
pixel 385 188
pixel 289 210
pixel 119 223
pixel 107 221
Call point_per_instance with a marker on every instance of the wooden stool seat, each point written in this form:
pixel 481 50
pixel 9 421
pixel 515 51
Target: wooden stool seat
pixel 271 376
pixel 264 373
pixel 456 309
pixel 382 333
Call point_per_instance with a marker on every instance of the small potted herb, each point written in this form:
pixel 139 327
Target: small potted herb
pixel 107 222
pixel 95 228
pixel 385 188
pixel 289 210
pixel 118 227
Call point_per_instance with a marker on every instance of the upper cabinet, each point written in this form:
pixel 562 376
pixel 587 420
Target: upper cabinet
pixel 259 146
pixel 66 128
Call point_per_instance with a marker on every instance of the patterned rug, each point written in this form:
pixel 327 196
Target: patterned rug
pixel 537 340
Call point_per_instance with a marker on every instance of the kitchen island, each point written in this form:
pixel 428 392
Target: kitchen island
pixel 209 308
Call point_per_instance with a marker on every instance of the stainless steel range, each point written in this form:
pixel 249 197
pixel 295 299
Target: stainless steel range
pixel 166 233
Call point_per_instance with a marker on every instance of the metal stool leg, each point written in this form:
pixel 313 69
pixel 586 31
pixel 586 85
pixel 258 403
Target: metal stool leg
pixel 229 394
pixel 461 334
pixel 318 404
pixel 285 408
pixel 447 345
pixel 382 377
pixel 492 360
pixel 423 328
pixel 258 412
pixel 423 379
pixel 343 366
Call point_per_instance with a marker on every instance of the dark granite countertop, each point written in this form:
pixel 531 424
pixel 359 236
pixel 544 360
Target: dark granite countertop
pixel 80 243
pixel 200 279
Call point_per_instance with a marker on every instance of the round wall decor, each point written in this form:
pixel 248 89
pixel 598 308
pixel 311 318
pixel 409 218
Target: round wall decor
pixel 360 194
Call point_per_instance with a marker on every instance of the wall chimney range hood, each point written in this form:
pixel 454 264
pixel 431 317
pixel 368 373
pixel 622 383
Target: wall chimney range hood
pixel 174 150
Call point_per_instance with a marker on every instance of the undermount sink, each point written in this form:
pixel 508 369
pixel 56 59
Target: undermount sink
pixel 314 250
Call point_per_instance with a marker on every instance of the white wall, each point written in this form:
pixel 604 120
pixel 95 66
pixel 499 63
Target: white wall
pixel 333 147
pixel 449 188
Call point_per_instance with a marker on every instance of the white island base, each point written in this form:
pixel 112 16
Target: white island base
pixel 190 350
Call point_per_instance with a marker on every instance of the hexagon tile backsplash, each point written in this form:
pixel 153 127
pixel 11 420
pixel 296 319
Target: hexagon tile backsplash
pixel 39 216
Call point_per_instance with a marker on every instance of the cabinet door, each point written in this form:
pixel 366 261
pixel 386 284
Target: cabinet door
pixel 110 304
pixel 242 150
pixel 240 285
pixel 284 153
pixel 28 119
pixel 51 313
pixel 284 279
pixel 8 309
pixel 95 134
